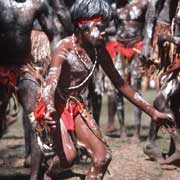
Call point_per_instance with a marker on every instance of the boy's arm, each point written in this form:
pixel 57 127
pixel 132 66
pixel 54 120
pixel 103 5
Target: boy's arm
pixel 124 88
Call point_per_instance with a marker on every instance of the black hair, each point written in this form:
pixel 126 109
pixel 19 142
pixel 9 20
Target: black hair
pixel 89 9
pixel 121 3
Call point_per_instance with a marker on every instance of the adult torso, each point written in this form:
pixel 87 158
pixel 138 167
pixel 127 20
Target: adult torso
pixel 16 20
pixel 131 19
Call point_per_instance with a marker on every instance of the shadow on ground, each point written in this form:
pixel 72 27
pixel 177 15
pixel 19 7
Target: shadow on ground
pixel 63 176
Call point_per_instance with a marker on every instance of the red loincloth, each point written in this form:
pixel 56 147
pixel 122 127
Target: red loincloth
pixel 67 113
pixel 114 47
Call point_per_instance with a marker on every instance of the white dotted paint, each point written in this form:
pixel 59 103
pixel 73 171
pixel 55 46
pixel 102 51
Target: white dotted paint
pixel 149 30
pixel 135 12
pixel 47 90
pixel 170 88
pixel 139 98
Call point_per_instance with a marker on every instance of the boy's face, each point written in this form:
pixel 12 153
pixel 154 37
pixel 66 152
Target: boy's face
pixel 94 33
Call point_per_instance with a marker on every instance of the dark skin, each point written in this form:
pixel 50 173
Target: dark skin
pixel 16 26
pixel 130 22
pixel 62 14
pixel 67 69
pixel 16 22
pixel 160 11
pixel 131 17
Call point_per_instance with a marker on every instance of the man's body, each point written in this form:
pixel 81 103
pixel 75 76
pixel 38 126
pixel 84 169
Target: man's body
pixel 159 17
pixel 72 65
pixel 130 23
pixel 16 22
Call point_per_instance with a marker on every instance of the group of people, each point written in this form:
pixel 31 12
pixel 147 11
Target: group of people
pixel 54 103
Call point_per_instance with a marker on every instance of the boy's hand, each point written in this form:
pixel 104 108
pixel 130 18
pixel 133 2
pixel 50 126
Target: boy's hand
pixel 50 117
pixel 165 121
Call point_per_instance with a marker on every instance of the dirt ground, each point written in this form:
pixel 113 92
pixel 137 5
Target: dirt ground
pixel 128 163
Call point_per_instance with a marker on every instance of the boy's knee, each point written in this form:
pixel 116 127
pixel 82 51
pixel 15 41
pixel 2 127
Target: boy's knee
pixel 103 160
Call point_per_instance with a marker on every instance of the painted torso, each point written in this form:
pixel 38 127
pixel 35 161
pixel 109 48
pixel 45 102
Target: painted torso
pixel 131 19
pixel 16 20
pixel 74 71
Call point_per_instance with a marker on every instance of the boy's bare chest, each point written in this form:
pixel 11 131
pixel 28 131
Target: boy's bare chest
pixel 79 63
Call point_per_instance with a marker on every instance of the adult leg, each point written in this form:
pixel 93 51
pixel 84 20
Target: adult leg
pixel 96 89
pixel 120 114
pixel 136 84
pixel 151 147
pixel 175 157
pixel 27 93
pixel 145 83
pixel 120 66
pixel 111 113
pixel 174 151
pixel 4 98
pixel 12 110
pixel 96 106
pixel 169 90
pixel 111 101
pixel 95 101
pixel 89 134
pixel 27 138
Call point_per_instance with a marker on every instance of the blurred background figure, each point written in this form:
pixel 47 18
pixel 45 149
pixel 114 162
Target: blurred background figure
pixel 124 49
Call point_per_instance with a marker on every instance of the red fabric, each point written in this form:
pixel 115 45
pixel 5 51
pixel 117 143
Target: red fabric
pixel 114 47
pixel 7 76
pixel 40 110
pixel 177 61
pixel 93 19
pixel 67 114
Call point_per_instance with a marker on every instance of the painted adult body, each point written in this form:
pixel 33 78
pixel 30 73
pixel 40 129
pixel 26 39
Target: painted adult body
pixel 130 24
pixel 161 14
pixel 16 22
pixel 72 64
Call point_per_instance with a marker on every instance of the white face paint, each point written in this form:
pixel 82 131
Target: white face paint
pixel 95 33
